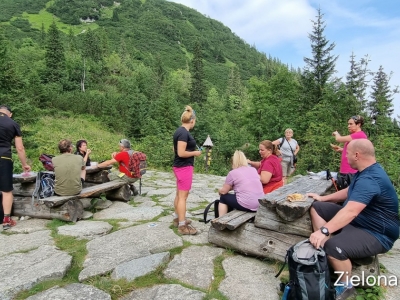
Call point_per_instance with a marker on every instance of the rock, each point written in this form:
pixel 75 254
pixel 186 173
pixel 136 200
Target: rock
pixel 107 252
pixel 28 225
pixel 248 278
pixel 165 292
pixel 159 192
pixel 194 266
pixel 86 229
pixel 103 204
pixel 20 271
pixel 24 242
pixel 75 291
pixel 202 233
pixel 140 266
pixel 120 210
pixel 87 215
pixel 147 204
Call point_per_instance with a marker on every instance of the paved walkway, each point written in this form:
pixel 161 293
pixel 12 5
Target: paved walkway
pixel 144 243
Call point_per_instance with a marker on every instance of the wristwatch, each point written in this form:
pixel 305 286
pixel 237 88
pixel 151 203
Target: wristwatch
pixel 324 230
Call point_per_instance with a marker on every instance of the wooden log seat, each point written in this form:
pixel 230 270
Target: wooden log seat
pixel 92 191
pixel 290 211
pixel 232 220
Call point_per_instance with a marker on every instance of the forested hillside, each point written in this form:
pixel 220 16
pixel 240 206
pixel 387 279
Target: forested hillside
pixel 133 66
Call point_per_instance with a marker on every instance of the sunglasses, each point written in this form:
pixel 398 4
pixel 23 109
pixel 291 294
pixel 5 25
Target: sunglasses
pixel 356 118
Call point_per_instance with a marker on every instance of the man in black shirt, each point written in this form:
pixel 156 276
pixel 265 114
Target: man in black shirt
pixel 9 130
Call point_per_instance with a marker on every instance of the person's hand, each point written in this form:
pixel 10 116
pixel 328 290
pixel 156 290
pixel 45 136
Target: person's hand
pixel 88 151
pixel 27 168
pixel 113 154
pixel 335 133
pixel 314 196
pixel 317 239
pixel 197 153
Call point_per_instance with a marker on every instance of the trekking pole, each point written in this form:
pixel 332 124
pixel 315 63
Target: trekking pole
pixel 329 176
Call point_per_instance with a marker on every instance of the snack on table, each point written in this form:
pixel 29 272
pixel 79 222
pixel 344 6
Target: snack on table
pixel 296 197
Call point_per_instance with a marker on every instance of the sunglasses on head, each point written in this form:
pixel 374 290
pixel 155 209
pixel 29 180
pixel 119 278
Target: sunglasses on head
pixel 355 118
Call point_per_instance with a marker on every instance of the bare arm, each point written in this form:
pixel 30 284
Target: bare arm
pixel 225 189
pixel 265 177
pixel 107 163
pixel 19 145
pixel 255 164
pixel 185 154
pixel 339 196
pixel 297 149
pixel 276 142
pixel 341 139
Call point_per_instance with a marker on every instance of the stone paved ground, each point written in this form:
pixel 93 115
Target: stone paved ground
pixel 144 243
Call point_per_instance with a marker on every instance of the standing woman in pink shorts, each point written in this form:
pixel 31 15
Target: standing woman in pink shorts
pixel 185 151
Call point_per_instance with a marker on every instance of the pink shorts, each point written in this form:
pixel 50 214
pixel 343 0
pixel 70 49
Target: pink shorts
pixel 184 177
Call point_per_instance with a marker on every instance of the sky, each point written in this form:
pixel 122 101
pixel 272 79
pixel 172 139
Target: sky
pixel 280 28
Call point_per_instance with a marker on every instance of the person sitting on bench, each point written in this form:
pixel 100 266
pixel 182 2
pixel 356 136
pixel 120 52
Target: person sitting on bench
pixel 122 158
pixel 368 222
pixel 68 169
pixel 246 183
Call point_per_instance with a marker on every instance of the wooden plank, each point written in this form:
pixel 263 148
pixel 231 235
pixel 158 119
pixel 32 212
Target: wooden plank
pixel 221 222
pixel 122 194
pixel 97 177
pixel 268 218
pixel 95 169
pixel 235 223
pixel 291 211
pixel 92 191
pixel 254 241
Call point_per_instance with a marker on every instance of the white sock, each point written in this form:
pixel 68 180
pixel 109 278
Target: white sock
pixel 182 223
pixel 174 215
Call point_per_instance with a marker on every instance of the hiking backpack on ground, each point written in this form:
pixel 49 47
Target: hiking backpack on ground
pixel 309 277
pixel 46 161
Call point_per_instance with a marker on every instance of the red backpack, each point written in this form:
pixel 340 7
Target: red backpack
pixel 46 161
pixel 137 163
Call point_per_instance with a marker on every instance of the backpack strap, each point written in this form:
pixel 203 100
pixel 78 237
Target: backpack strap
pixel 280 145
pixel 206 212
pixel 283 266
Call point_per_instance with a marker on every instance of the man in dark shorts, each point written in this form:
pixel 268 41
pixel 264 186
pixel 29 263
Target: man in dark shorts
pixel 368 222
pixel 9 130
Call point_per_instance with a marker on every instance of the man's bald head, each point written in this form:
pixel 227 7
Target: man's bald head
pixel 362 146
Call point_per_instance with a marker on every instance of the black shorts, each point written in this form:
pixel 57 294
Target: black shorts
pixel 231 201
pixel 349 242
pixel 6 175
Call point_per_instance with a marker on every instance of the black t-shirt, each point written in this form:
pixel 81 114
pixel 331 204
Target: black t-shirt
pixel 9 129
pixel 181 134
pixel 83 155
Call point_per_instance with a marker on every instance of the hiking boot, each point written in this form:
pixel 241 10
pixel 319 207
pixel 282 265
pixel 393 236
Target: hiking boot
pixel 135 192
pixel 187 222
pixel 187 230
pixel 344 292
pixel 8 225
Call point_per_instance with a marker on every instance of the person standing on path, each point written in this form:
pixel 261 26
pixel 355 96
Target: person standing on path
pixel 346 172
pixel 9 130
pixel 185 151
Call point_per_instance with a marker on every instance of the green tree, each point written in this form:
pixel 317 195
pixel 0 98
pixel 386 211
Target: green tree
pixel 55 58
pixel 321 66
pixel 356 82
pixel 9 80
pixel 198 93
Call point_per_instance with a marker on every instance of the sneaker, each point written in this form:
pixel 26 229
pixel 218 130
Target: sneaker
pixel 187 222
pixel 187 230
pixel 344 292
pixel 8 225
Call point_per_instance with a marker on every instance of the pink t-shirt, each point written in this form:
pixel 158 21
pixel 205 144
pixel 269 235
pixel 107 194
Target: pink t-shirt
pixel 344 165
pixel 247 186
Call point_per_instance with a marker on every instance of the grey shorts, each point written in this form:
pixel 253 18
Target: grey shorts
pixel 286 168
pixel 349 242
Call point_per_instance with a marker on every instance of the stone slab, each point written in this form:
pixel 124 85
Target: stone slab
pixel 120 210
pixel 86 229
pixel 165 292
pixel 29 226
pixel 24 242
pixel 75 291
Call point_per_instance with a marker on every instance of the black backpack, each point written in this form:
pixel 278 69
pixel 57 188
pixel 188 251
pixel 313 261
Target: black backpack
pixel 309 277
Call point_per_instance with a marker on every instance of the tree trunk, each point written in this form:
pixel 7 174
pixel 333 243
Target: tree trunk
pixel 123 193
pixel 72 210
pixel 24 189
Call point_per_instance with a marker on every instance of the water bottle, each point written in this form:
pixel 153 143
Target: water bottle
pixel 286 292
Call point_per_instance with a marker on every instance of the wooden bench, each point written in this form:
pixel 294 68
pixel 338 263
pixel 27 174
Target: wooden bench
pixel 232 220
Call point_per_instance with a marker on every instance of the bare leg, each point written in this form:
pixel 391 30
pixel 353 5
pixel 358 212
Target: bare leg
pixel 7 202
pixel 284 180
pixel 222 209
pixel 83 174
pixel 180 207
pixel 341 266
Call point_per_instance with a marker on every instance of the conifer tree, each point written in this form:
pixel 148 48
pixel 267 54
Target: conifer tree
pixel 381 106
pixel 321 66
pixel 356 81
pixel 198 92
pixel 8 78
pixel 55 58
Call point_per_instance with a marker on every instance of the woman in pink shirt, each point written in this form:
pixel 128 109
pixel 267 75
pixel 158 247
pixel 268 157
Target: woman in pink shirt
pixel 246 184
pixel 346 172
